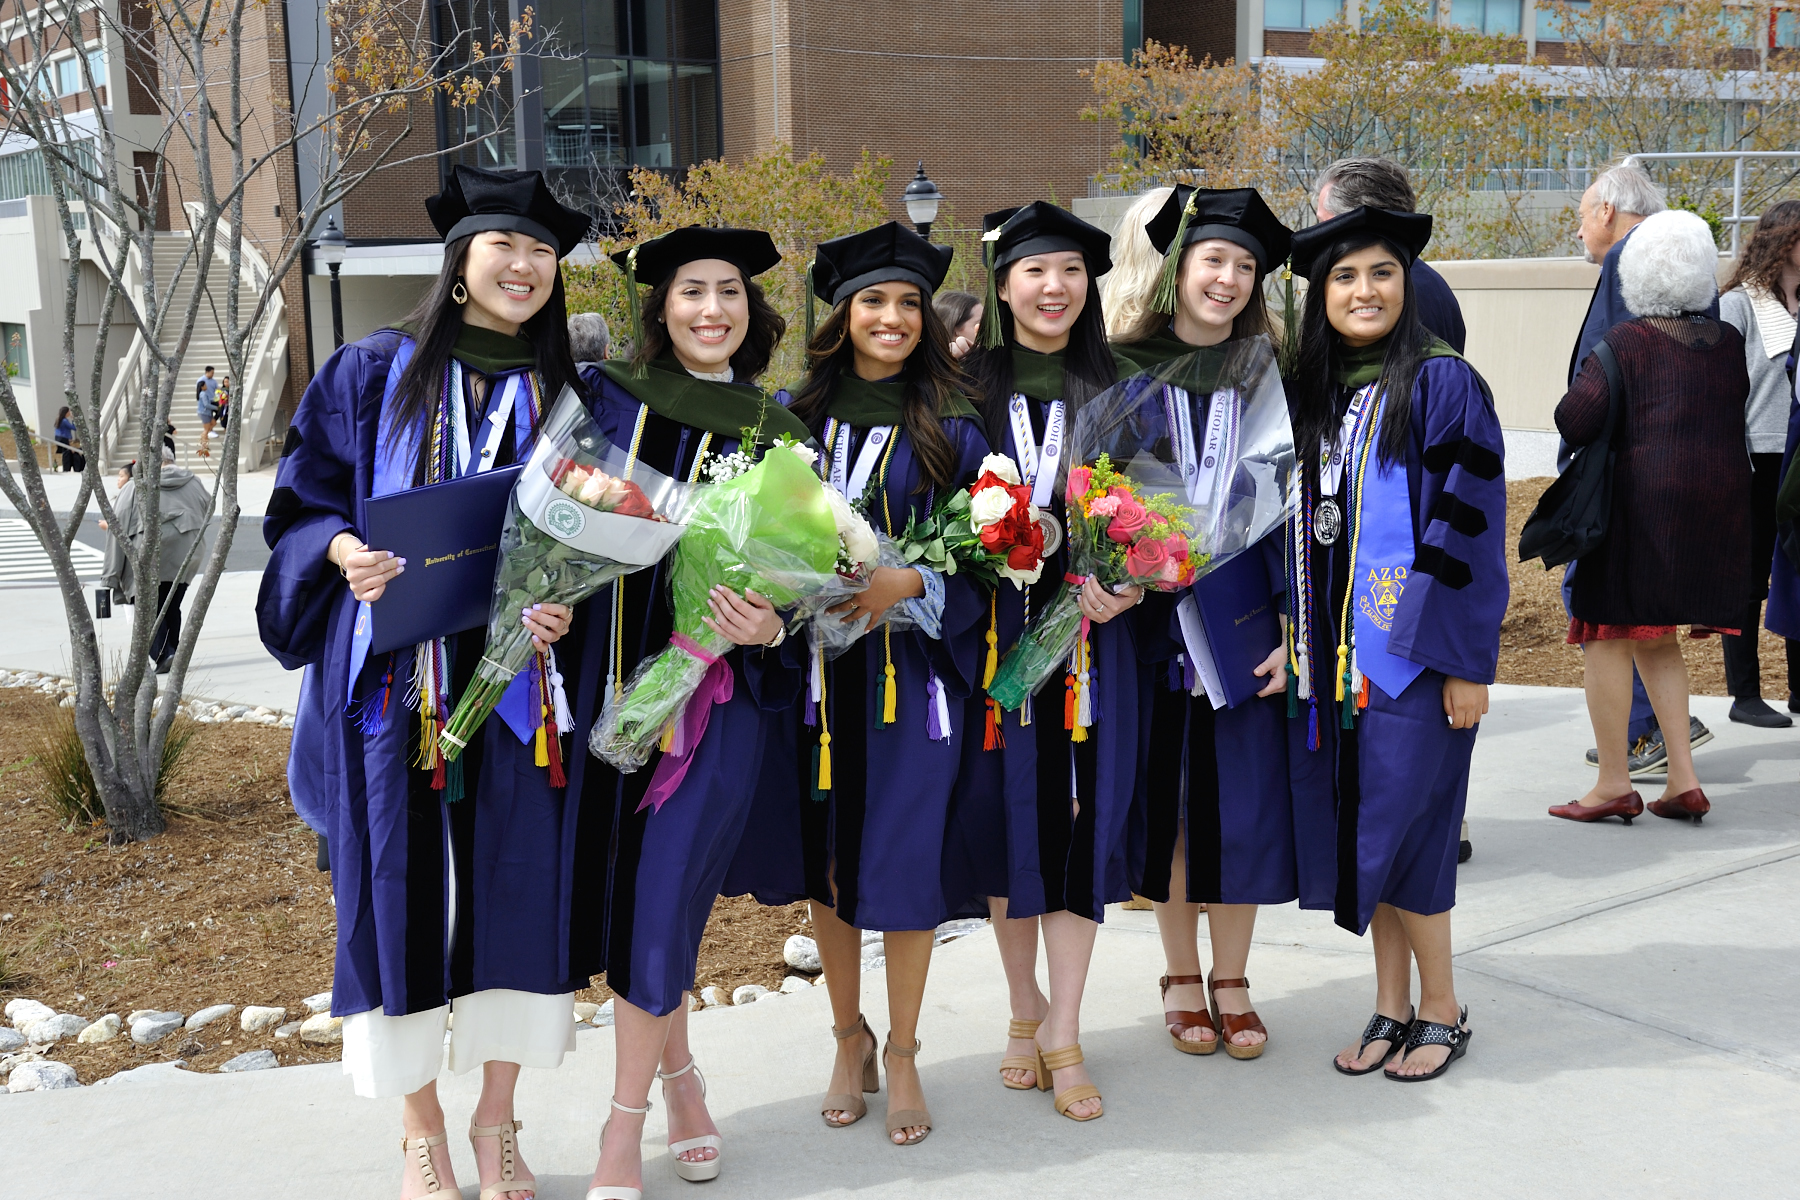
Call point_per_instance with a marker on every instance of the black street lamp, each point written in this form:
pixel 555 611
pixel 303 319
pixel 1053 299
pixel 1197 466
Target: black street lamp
pixel 922 199
pixel 330 249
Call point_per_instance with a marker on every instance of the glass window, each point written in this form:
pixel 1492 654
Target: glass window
pixel 68 76
pixel 565 112
pixel 653 114
pixel 18 355
pixel 1487 16
pixel 674 28
pixel 1551 17
pixel 697 97
pixel 1787 28
pixel 606 89
pixel 604 26
pixel 1300 14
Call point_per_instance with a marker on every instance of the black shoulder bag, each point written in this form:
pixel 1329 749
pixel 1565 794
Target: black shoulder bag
pixel 1570 517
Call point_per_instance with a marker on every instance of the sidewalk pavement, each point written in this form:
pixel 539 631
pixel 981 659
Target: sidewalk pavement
pixel 63 486
pixel 1631 991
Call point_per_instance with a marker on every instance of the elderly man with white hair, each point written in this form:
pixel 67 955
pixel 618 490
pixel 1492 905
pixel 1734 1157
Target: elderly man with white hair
pixel 1677 545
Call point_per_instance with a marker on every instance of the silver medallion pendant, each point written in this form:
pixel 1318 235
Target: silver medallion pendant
pixel 1053 532
pixel 1328 522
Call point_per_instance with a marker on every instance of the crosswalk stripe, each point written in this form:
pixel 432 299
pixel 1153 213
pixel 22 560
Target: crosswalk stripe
pixel 23 560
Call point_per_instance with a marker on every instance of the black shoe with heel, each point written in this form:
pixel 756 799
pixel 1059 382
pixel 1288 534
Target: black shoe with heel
pixel 1379 1029
pixel 1431 1033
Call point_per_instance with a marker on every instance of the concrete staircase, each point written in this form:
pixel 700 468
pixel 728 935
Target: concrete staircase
pixel 208 342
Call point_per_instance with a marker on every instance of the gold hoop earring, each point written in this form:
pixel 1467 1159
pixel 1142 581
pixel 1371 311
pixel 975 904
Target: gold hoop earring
pixel 459 293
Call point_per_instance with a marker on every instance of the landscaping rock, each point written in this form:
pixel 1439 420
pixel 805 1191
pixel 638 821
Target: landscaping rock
pixel 291 1029
pixel 208 1015
pixel 604 1017
pixel 802 954
pixel 103 1030
pixel 322 1029
pixel 54 1029
pixel 874 950
pixel 42 1077
pixel 795 983
pixel 714 997
pixel 10 1040
pixel 27 1012
pixel 259 1017
pixel 871 935
pixel 874 964
pixel 319 1003
pixel 136 1014
pixel 749 993
pixel 585 1011
pixel 148 1030
pixel 254 1060
pixel 949 931
pixel 10 1061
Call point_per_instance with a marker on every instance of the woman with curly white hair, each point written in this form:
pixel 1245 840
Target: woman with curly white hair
pixel 1677 546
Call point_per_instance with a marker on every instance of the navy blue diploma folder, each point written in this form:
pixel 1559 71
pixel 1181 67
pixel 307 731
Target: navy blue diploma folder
pixel 1238 610
pixel 449 535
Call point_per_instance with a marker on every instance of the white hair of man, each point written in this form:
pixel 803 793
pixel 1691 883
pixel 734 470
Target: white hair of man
pixel 1670 266
pixel 589 338
pixel 1629 189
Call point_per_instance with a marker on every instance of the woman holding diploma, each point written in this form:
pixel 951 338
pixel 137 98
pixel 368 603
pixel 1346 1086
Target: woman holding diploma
pixel 449 878
pixel 885 401
pixel 1040 820
pixel 1399 585
pixel 1217 821
pixel 662 836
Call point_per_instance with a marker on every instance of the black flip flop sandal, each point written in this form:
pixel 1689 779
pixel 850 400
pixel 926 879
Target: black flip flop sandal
pixel 1379 1029
pixel 1430 1033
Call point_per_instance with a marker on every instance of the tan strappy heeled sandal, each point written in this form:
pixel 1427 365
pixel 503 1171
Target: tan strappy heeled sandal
pixel 616 1191
pixel 1023 1031
pixel 422 1147
pixel 1232 1024
pixel 906 1118
pixel 509 1158
pixel 852 1102
pixel 1060 1059
pixel 706 1168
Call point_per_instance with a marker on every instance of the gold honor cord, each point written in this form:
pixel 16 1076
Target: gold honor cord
pixel 1362 473
pixel 891 699
pixel 613 683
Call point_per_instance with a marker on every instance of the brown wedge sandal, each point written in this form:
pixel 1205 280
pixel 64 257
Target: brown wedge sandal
pixel 1023 1031
pixel 509 1183
pixel 905 1118
pixel 1059 1059
pixel 1180 1020
pixel 1232 1024
pixel 852 1102
pixel 422 1147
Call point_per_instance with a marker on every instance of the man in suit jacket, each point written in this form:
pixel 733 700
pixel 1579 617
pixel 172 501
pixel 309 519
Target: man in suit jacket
pixel 1352 183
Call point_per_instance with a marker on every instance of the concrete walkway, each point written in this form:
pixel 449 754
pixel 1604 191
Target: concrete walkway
pixel 1632 992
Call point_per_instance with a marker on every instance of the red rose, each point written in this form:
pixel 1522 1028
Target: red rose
pixel 1128 519
pixel 633 503
pixel 1145 559
pixel 1030 550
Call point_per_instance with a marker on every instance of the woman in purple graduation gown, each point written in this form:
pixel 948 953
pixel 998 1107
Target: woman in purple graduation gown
pixel 451 879
pixel 886 402
pixel 661 837
pixel 1402 469
pixel 1216 821
pixel 1040 852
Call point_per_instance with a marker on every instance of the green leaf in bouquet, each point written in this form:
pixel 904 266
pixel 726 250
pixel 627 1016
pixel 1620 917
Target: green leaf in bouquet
pixel 537 581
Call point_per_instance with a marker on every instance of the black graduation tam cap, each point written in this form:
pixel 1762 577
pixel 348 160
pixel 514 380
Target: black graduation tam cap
pixel 884 254
pixel 474 201
pixel 1036 228
pixel 749 250
pixel 1238 215
pixel 1406 232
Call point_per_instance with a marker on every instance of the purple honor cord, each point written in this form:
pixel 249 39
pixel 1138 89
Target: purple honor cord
pixel 716 687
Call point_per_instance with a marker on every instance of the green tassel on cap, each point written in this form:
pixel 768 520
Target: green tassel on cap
pixel 990 305
pixel 811 296
pixel 1166 287
pixel 640 369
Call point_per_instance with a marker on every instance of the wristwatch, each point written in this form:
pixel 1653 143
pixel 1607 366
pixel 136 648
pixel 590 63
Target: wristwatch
pixel 780 637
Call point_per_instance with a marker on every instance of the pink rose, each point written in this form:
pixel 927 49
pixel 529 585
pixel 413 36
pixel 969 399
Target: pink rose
pixel 1146 558
pixel 1171 572
pixel 1080 479
pixel 1178 546
pixel 1128 519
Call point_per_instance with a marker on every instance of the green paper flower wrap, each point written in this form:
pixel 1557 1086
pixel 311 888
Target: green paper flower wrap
pixel 769 531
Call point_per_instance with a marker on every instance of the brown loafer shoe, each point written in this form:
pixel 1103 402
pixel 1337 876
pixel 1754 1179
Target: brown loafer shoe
pixel 1690 805
pixel 1624 807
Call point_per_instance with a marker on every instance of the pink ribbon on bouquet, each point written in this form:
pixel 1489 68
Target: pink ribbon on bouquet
pixel 716 687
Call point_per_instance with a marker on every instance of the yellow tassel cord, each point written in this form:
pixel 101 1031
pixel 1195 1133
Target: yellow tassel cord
pixel 1084 702
pixel 540 749
pixel 993 641
pixel 1355 518
pixel 890 702
pixel 824 729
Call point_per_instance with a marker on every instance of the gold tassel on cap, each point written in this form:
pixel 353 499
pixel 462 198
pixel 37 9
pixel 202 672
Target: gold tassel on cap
pixel 1166 287
pixel 640 370
pixel 990 305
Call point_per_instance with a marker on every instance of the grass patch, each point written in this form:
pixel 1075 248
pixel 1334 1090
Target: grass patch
pixel 69 784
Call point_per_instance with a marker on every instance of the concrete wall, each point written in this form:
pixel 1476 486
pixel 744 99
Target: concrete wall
pixel 370 303
pixel 1523 315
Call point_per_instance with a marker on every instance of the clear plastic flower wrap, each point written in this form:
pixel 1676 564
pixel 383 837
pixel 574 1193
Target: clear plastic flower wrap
pixel 1179 468
pixel 831 636
pixel 581 515
pixel 772 530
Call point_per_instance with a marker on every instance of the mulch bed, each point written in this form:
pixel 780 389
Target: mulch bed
pixel 229 908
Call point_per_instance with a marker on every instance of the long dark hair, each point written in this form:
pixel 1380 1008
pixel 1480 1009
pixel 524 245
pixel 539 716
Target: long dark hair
pixel 435 324
pixel 1769 249
pixel 750 360
pixel 1088 366
pixel 1312 391
pixel 930 376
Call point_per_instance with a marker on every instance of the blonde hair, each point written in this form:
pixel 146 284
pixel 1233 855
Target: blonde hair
pixel 1128 289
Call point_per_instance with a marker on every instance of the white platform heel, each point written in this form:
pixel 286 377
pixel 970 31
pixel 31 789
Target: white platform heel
pixel 611 1191
pixel 694 1172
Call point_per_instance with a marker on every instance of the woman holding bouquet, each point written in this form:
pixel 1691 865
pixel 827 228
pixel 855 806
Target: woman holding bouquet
pixel 1217 822
pixel 886 402
pixel 1039 823
pixel 448 876
pixel 685 401
pixel 1400 584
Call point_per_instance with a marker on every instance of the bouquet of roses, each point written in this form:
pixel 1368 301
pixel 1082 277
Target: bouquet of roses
pixel 1185 466
pixel 581 515
pixel 990 530
pixel 776 529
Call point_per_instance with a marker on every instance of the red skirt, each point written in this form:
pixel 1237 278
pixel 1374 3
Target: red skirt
pixel 1581 631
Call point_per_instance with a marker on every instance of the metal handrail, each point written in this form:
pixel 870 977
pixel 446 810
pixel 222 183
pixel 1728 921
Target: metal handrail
pixel 1737 220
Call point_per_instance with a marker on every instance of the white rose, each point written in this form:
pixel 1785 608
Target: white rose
pixel 989 505
pixel 592 488
pixel 1002 466
pixel 859 538
pixel 1021 579
pixel 807 454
